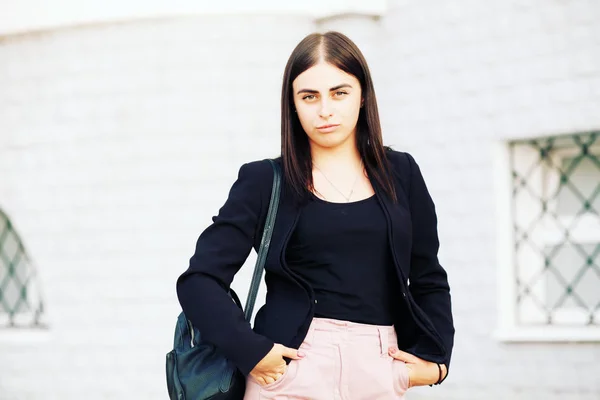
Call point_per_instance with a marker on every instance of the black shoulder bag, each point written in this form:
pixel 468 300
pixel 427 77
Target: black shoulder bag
pixel 197 370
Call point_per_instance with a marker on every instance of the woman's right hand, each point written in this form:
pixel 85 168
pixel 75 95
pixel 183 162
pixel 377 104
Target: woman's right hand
pixel 273 366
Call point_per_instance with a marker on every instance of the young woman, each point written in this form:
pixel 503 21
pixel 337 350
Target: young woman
pixel 358 306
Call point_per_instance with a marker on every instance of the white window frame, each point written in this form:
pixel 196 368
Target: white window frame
pixel 508 328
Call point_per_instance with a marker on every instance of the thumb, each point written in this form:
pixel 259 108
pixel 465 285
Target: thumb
pixel 401 355
pixel 291 353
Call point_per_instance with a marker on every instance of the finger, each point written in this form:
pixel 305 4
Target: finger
pixel 277 376
pixel 260 380
pixel 278 371
pixel 403 356
pixel 283 368
pixel 271 379
pixel 268 380
pixel 291 353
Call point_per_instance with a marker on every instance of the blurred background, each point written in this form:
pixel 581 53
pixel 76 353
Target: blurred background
pixel 123 124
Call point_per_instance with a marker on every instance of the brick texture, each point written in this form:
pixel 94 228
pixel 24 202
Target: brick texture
pixel 119 142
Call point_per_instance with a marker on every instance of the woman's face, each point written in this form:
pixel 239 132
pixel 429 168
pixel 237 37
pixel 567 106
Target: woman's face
pixel 328 102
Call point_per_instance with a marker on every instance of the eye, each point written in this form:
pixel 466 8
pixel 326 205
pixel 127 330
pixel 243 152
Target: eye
pixel 309 97
pixel 340 93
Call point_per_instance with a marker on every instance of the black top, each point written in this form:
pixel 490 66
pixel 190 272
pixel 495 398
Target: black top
pixel 342 251
pixel 423 321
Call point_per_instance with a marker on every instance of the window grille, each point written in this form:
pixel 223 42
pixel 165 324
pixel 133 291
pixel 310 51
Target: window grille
pixel 556 228
pixel 20 302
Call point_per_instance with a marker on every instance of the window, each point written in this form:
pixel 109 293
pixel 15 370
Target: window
pixel 20 303
pixel 552 288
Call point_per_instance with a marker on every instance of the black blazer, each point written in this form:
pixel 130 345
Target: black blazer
pixel 424 323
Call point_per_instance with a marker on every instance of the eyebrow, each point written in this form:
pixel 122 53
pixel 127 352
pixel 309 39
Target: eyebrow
pixel 312 91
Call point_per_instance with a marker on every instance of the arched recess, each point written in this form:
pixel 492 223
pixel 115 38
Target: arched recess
pixel 21 302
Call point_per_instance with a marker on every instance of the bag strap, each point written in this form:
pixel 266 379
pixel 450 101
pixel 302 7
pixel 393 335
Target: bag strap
pixel 265 241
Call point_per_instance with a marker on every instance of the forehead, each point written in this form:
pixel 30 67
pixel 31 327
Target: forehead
pixel 323 76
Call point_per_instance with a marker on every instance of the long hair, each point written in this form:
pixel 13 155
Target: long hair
pixel 338 50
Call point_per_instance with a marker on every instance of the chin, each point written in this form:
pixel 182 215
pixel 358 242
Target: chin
pixel 329 140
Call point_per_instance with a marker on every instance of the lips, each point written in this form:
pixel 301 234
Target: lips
pixel 327 128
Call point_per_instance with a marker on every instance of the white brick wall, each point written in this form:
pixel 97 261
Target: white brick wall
pixel 461 76
pixel 119 143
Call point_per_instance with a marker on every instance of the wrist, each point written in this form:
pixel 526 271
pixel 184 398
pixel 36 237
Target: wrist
pixel 422 377
pixel 437 375
pixel 444 372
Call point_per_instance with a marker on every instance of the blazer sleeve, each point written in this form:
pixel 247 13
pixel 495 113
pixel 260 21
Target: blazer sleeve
pixel 428 280
pixel 221 250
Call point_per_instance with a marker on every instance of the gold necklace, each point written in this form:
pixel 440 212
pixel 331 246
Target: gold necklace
pixel 338 190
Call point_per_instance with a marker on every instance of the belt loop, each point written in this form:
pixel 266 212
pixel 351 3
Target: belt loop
pixel 383 340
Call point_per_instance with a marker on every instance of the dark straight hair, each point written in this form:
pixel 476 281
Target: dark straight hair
pixel 338 50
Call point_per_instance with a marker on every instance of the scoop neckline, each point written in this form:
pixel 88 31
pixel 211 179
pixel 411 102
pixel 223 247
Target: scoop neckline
pixel 315 197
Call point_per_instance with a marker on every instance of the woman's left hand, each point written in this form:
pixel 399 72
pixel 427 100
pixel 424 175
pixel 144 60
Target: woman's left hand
pixel 420 372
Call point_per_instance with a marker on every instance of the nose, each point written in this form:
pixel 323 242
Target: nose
pixel 325 111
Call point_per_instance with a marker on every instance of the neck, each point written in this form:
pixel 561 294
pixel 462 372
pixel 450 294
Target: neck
pixel 344 156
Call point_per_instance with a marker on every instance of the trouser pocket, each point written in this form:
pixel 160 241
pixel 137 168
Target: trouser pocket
pixel 400 376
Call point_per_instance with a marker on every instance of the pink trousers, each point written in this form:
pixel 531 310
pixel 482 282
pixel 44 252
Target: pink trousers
pixel 343 361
